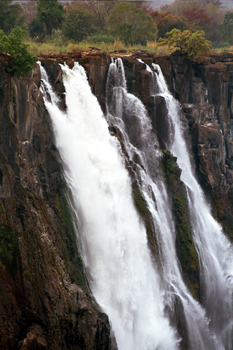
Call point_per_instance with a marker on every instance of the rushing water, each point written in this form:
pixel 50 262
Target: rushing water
pixel 136 129
pixel 113 241
pixel 138 294
pixel 215 251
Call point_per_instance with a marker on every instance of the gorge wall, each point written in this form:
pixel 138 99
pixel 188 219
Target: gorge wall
pixel 42 305
pixel 44 298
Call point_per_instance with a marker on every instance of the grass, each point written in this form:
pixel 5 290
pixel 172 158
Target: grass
pixel 59 47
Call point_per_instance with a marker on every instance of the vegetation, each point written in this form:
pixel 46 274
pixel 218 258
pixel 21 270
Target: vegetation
pixel 192 45
pixel 185 248
pixel 78 25
pixel 59 27
pixel 131 24
pixel 8 244
pixel 50 14
pixel 227 27
pixel 145 214
pixel 23 61
pixel 11 15
pixel 73 260
pixel 167 21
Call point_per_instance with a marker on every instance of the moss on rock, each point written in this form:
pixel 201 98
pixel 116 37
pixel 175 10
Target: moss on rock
pixel 145 214
pixel 185 247
pixel 74 262
pixel 8 244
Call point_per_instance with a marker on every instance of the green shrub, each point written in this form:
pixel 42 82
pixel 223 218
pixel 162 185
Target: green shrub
pixel 192 44
pixel 13 45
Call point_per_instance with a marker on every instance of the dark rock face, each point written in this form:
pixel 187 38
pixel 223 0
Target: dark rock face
pixel 41 305
pixel 206 94
pixel 96 67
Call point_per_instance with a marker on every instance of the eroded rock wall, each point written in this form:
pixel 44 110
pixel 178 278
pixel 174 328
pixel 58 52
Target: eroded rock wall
pixel 206 94
pixel 42 305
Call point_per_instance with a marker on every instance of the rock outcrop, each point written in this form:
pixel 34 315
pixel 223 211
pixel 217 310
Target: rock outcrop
pixel 42 305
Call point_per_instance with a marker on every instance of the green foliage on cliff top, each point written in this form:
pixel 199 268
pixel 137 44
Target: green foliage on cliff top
pixel 22 60
pixel 192 45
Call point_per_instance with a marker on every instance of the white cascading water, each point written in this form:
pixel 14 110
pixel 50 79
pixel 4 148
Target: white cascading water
pixel 111 235
pixel 128 113
pixel 214 250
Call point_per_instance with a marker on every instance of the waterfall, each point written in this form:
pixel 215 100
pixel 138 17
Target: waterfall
pixel 214 250
pixel 112 237
pixel 205 325
pixel 144 294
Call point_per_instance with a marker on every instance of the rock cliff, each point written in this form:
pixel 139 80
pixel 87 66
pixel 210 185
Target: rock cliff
pixel 206 94
pixel 42 305
pixel 44 298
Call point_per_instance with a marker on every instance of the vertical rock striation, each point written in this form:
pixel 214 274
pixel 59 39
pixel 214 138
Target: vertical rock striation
pixel 41 303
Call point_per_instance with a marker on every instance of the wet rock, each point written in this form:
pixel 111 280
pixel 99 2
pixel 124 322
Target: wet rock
pixel 35 339
pixel 162 124
pixel 41 305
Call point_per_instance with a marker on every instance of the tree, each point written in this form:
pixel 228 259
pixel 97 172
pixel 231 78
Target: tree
pixel 99 9
pixel 167 21
pixel 11 15
pixel 29 8
pixel 50 13
pixel 36 29
pixel 131 24
pixel 77 25
pixel 192 45
pixel 227 27
pixel 13 45
pixel 196 17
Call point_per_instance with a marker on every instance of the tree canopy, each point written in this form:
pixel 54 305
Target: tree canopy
pixel 131 24
pixel 192 45
pixel 167 21
pixel 78 25
pixel 50 13
pixel 227 27
pixel 11 15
